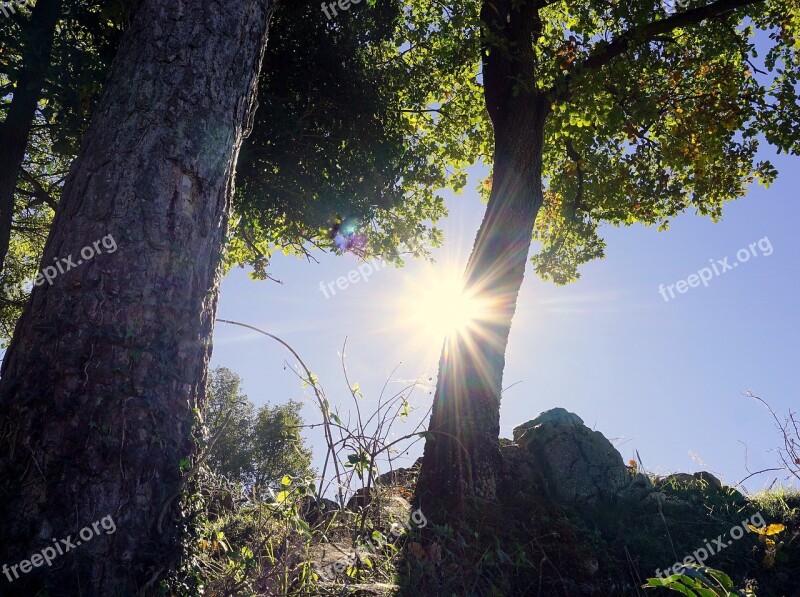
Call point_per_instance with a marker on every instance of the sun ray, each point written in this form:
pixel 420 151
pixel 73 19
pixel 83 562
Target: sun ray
pixel 434 306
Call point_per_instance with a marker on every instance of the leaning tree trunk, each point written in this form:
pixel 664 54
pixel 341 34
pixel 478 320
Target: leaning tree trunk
pixel 37 45
pixel 462 457
pixel 101 384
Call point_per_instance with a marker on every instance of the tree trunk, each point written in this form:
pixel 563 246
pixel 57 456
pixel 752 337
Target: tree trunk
pixel 37 45
pixel 101 384
pixel 462 458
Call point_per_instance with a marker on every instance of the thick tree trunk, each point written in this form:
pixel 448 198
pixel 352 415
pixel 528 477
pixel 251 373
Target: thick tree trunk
pixel 101 384
pixel 462 458
pixel 37 46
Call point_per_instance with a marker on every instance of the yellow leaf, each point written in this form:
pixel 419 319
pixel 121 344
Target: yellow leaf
pixel 772 529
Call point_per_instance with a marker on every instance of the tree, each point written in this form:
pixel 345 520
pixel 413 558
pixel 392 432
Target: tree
pixel 617 112
pixel 278 449
pixel 54 62
pixel 255 448
pixel 37 33
pixel 229 420
pixel 60 54
pixel 102 382
pixel 333 151
pixel 334 145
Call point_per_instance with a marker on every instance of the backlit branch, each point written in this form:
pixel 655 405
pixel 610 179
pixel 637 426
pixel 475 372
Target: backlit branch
pixel 605 52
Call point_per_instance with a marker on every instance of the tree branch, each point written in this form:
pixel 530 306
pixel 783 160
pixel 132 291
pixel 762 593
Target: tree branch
pixel 606 52
pixel 40 194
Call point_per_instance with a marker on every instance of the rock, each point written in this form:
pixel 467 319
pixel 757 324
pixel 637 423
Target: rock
pixel 674 507
pixel 330 560
pixel 360 499
pixel 654 501
pixel 401 477
pixel 710 479
pixel 522 479
pixel 385 506
pixel 640 487
pixel 395 509
pixel 579 465
pixel 679 479
pixel 312 509
pixel 696 480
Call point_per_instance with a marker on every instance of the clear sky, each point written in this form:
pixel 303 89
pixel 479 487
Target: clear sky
pixel 662 377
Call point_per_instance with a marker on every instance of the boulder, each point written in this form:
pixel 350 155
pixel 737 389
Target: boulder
pixel 578 464
pixel 522 477
pixel 384 502
pixel 312 509
pixel 655 501
pixel 639 488
pixel 360 499
pixel 710 479
pixel 401 477
pixel 693 480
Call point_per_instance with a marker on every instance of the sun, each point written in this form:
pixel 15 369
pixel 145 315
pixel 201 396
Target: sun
pixel 440 307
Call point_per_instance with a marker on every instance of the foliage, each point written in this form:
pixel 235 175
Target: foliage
pixel 44 173
pixel 247 546
pixel 338 142
pixel 278 448
pixel 671 124
pixel 247 542
pixel 652 112
pixel 229 419
pixel 361 122
pixel 254 447
pixel 235 527
pixel 779 503
pixel 83 48
pixel 238 545
pixel 700 581
pixel 772 546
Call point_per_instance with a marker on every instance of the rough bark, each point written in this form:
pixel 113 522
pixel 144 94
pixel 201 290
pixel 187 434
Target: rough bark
pixel 107 367
pixel 462 459
pixel 37 45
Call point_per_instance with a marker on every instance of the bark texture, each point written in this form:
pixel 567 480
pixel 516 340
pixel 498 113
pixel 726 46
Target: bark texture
pixel 101 384
pixel 37 46
pixel 462 461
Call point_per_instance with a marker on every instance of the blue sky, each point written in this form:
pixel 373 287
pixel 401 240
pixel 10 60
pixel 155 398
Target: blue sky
pixel 663 378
